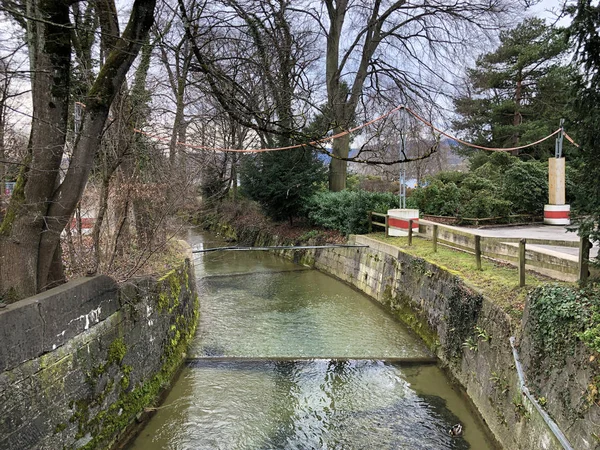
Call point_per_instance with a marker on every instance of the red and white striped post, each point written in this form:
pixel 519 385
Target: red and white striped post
pixel 557 212
pixel 398 221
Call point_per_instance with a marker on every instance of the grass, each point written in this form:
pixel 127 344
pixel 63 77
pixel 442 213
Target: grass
pixel 497 281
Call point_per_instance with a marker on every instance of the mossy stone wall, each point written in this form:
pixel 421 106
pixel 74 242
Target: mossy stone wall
pixel 468 332
pixel 92 386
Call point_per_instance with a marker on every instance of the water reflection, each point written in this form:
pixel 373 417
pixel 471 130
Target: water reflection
pixel 319 404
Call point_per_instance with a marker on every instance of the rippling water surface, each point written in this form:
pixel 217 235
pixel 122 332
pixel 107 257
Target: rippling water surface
pixel 244 390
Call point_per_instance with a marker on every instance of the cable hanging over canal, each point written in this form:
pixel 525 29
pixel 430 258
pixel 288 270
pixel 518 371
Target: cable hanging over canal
pixel 279 247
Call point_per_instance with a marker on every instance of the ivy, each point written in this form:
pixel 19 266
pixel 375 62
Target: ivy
pixel 464 306
pixel 591 336
pixel 563 315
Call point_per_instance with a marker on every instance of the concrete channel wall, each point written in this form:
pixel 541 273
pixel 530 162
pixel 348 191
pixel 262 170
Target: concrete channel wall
pixel 468 332
pixel 79 363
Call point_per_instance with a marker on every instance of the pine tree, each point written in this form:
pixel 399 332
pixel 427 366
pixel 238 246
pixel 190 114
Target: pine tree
pixel 281 181
pixel 517 93
pixel 585 33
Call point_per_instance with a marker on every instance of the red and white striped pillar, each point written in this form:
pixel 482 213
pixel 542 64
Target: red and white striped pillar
pixel 557 212
pixel 398 221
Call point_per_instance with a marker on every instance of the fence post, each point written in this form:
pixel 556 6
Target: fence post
pixel 435 237
pixel 584 259
pixel 410 225
pixel 387 226
pixel 522 262
pixel 370 213
pixel 478 251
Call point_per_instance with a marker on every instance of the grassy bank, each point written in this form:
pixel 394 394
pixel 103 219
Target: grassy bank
pixel 497 281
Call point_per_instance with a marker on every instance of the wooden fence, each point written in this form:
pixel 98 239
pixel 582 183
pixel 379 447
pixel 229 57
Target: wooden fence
pixel 477 221
pixel 523 253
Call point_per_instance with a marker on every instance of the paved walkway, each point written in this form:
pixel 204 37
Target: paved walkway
pixel 550 232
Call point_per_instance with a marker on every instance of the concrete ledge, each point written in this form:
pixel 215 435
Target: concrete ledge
pixel 44 322
pixel 388 249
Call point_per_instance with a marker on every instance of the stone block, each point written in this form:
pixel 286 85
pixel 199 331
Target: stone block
pixel 21 333
pixel 74 307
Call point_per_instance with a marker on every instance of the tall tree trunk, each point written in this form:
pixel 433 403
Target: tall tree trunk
pixel 517 118
pixel 27 217
pixel 40 210
pixel 338 167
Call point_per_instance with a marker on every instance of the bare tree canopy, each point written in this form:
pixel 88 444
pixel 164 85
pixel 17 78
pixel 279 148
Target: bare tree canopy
pixel 259 57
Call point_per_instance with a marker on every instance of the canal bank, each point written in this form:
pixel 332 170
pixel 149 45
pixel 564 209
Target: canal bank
pixel 80 363
pixel 470 335
pixel 287 357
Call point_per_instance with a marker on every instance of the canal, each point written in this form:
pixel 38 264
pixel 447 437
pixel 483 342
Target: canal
pixel 290 358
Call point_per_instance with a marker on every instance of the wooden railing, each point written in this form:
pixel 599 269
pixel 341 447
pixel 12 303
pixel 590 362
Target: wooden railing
pixel 476 221
pixel 511 250
pixel 384 224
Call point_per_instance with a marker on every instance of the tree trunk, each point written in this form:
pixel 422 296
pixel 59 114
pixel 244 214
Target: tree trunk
pixel 27 216
pixel 30 232
pixel 337 167
pixel 517 118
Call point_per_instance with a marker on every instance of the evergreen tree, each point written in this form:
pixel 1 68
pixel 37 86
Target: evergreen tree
pixel 585 33
pixel 282 181
pixel 517 93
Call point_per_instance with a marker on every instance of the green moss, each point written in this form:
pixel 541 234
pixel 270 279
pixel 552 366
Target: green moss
pixel 170 287
pixel 132 399
pixel 131 403
pixel 163 301
pixel 59 428
pixel 116 352
pixel 405 311
pixel 498 282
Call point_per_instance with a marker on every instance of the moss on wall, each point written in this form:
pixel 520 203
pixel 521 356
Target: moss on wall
pixel 110 422
pixel 117 393
pixel 402 307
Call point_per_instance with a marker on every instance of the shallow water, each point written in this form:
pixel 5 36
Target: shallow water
pixel 341 393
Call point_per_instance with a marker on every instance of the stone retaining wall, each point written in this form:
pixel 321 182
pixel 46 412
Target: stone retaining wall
pixel 79 363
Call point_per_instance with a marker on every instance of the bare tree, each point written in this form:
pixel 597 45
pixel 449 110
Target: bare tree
pixel 400 41
pixel 42 205
pixel 255 63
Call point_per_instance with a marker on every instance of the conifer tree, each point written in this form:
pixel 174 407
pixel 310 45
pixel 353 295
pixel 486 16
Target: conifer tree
pixel 585 33
pixel 282 181
pixel 518 93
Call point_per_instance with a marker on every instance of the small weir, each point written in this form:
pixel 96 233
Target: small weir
pixel 289 358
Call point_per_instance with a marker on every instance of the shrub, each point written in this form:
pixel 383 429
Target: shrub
pixel 525 184
pixel 500 185
pixel 347 211
pixel 484 204
pixel 438 198
pixel 281 181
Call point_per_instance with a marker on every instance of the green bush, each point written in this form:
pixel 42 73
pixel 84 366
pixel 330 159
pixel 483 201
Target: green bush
pixel 347 211
pixel 438 198
pixel 525 184
pixel 484 204
pixel 498 185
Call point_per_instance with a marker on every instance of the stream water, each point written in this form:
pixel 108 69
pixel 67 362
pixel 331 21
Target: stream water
pixel 289 358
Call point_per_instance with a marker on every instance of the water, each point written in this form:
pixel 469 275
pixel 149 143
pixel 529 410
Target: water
pixel 244 390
